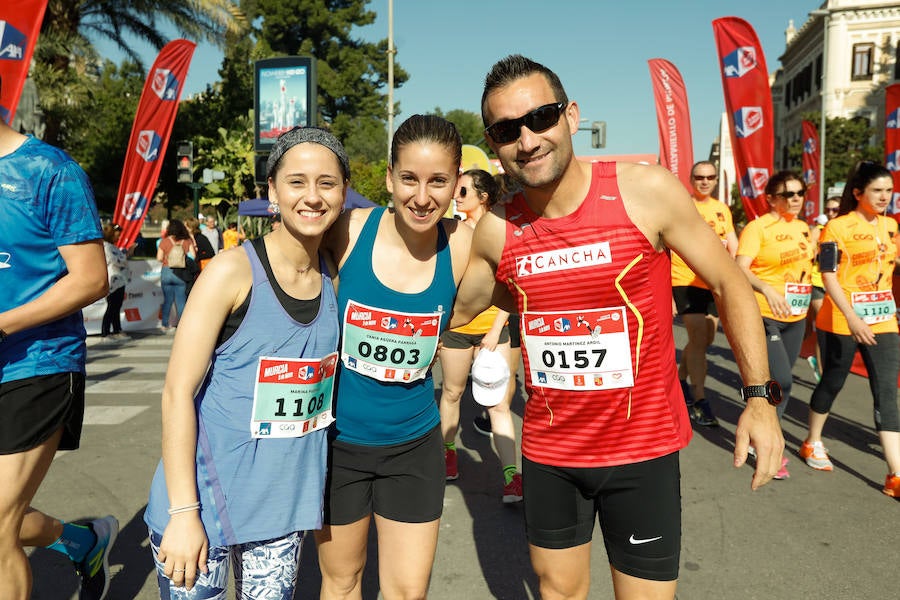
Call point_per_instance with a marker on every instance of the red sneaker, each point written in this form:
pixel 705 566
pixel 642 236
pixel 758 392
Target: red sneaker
pixel 452 468
pixel 892 485
pixel 512 491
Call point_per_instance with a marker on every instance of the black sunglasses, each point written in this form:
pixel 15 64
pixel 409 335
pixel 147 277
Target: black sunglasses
pixel 706 177
pixel 462 192
pixel 542 118
pixel 832 208
pixel 788 195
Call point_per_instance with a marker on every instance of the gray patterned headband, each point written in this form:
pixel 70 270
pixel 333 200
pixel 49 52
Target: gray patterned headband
pixel 299 135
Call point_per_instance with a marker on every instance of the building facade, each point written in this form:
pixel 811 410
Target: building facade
pixel 862 57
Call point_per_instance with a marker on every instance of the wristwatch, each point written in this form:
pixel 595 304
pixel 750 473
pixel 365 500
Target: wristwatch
pixel 770 390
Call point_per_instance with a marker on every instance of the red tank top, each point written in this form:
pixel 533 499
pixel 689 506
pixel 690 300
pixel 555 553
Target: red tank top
pixel 596 304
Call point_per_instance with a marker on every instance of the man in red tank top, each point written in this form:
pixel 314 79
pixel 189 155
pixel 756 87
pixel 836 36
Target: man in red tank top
pixel 580 254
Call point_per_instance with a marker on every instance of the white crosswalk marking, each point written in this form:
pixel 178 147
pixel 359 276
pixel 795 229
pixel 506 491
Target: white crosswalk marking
pixel 111 415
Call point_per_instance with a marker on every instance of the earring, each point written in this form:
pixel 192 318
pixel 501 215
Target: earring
pixel 274 208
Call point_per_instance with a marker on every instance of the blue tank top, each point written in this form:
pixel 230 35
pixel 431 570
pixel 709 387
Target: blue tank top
pixel 376 413
pixel 255 489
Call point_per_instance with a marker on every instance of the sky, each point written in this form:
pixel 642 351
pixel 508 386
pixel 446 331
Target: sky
pixel 599 49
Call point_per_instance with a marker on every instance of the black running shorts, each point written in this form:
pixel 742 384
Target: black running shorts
pixel 404 482
pixel 464 341
pixel 694 300
pixel 639 507
pixel 33 409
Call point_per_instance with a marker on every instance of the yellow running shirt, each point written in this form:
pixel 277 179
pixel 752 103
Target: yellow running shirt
pixel 864 272
pixel 782 257
pixel 718 215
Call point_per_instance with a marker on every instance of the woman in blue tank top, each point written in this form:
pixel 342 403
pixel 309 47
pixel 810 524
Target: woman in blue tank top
pixel 399 269
pixel 244 459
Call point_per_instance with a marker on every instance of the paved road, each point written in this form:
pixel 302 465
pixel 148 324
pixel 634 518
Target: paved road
pixel 816 535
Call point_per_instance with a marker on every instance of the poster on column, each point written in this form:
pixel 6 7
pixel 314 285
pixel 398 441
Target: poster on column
pixel 20 24
pixel 748 100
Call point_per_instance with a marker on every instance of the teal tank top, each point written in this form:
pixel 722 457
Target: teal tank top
pixel 373 412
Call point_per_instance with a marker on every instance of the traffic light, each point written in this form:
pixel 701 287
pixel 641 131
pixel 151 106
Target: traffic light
pixel 185 153
pixel 598 134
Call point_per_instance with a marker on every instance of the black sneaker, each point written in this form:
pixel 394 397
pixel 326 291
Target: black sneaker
pixel 482 425
pixel 94 568
pixel 701 414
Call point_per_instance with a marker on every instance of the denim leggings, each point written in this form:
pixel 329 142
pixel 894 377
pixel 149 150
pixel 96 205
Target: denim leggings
pixel 174 291
pixel 783 342
pixel 881 362
pixel 266 569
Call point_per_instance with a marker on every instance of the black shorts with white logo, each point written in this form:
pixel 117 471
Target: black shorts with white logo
pixel 639 507
pixel 403 482
pixel 33 409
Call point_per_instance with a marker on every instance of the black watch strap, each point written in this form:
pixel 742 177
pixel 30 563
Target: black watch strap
pixel 770 390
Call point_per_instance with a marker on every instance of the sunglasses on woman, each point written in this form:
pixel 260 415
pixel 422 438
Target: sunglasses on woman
pixel 787 195
pixel 540 119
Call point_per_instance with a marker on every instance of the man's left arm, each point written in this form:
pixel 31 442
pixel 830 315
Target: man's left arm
pixel 85 282
pixel 665 207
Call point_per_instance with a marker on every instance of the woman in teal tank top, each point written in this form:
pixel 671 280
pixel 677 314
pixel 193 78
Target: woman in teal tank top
pixel 399 269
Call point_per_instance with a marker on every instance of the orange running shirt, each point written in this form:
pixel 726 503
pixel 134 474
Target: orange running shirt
pixel 782 257
pixel 718 215
pixel 864 272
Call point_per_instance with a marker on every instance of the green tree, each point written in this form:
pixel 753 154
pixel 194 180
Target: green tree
pixel 66 61
pixel 104 133
pixel 468 124
pixel 847 141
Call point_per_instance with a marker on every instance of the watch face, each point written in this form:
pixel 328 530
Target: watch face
pixel 773 390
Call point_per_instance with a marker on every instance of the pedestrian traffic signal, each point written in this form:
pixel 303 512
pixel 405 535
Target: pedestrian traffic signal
pixel 185 158
pixel 598 134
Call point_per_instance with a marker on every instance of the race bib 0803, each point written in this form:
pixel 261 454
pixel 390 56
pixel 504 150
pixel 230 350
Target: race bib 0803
pixel 578 350
pixel 389 345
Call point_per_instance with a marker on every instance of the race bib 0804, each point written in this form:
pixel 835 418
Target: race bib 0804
pixel 389 345
pixel 292 396
pixel 578 350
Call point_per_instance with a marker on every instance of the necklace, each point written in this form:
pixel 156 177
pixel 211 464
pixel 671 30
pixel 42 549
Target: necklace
pixel 299 271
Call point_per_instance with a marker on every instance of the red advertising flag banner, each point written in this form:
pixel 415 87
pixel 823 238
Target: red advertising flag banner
pixel 150 136
pixel 20 24
pixel 748 100
pixel 673 119
pixel 810 165
pixel 892 142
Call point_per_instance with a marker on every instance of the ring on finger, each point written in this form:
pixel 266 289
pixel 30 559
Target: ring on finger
pixel 178 570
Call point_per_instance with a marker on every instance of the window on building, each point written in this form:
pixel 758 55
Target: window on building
pixel 818 76
pixel 862 60
pixel 897 63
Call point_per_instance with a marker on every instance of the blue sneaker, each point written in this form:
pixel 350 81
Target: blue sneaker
pixel 94 569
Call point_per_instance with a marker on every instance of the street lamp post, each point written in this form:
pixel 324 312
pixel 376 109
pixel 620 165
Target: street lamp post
pixel 390 103
pixel 826 14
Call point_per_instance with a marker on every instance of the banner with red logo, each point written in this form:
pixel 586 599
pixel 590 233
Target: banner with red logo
pixel 20 24
pixel 150 136
pixel 748 101
pixel 810 165
pixel 673 119
pixel 892 142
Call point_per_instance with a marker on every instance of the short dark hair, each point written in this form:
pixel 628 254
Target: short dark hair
pixel 514 67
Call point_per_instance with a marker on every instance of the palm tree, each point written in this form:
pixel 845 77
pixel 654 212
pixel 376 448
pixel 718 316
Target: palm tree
pixel 66 62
